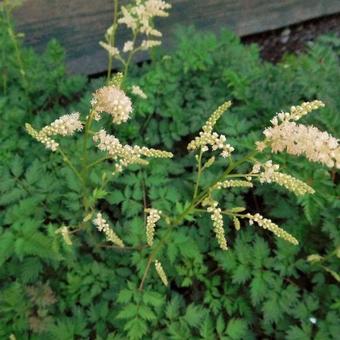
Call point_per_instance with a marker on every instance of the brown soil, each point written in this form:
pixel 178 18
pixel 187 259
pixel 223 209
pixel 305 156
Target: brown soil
pixel 293 39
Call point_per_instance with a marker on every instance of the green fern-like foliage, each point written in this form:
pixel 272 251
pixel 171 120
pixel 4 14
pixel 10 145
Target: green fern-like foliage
pixel 262 288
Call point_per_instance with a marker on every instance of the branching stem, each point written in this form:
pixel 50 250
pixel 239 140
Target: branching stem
pixel 191 208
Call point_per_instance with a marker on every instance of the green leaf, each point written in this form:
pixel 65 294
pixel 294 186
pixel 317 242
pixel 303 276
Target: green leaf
pixel 136 328
pixel 237 329
pixel 124 296
pixel 6 246
pixel 115 197
pixel 258 288
pixel 17 166
pixel 127 312
pixel 146 313
pixel 193 315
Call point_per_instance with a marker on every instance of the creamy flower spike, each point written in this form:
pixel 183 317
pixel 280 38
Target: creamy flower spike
pixel 268 173
pixel 297 139
pixel 233 183
pixel 126 155
pixel 139 17
pixel 297 112
pixel 128 46
pixel 153 217
pixel 136 90
pixel 113 51
pixel 66 125
pixel 217 219
pixel 161 273
pixel 209 138
pixel 104 227
pixel 114 101
pixel 266 223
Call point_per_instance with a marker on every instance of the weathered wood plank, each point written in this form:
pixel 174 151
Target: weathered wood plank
pixel 80 24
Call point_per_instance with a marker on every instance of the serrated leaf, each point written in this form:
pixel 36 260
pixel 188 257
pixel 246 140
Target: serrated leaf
pixel 237 329
pixel 193 315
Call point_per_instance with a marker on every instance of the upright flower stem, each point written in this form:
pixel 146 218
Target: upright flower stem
pixel 14 40
pixel 112 38
pixel 199 171
pixel 85 167
pixel 70 164
pixel 129 58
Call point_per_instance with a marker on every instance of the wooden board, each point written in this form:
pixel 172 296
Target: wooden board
pixel 80 24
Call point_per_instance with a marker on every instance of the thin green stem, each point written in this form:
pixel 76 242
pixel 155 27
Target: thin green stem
pixel 112 37
pixel 131 54
pixel 85 168
pixel 199 171
pixel 98 161
pixel 70 164
pixel 14 40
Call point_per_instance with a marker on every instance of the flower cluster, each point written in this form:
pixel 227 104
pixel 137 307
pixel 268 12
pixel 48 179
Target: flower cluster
pixel 297 139
pixel 161 273
pixel 270 174
pixel 104 227
pixel 113 51
pixel 136 90
pixel 208 137
pixel 126 155
pixel 297 112
pixel 114 101
pixel 66 125
pixel 233 184
pixel 139 17
pixel 152 219
pixel 237 223
pixel 217 219
pixel 65 233
pixel 266 223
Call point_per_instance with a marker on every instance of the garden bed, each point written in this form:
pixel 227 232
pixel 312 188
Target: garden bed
pixel 295 38
pixel 64 273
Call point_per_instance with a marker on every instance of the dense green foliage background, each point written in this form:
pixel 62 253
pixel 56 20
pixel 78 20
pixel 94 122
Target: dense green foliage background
pixel 261 288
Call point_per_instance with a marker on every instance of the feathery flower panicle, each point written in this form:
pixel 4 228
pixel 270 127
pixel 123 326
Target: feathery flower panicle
pixel 270 174
pixel 66 125
pixel 266 223
pixel 297 112
pixel 314 258
pixel 65 233
pixel 128 46
pixel 216 115
pixel 151 220
pixel 209 138
pixel 237 223
pixel 114 101
pixel 136 90
pixel 104 227
pixel 217 142
pixel 49 143
pixel 139 18
pixel 161 273
pixel 113 51
pixel 217 219
pixel 297 139
pixel 126 155
pixel 117 80
pixel 233 184
pixel 147 44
